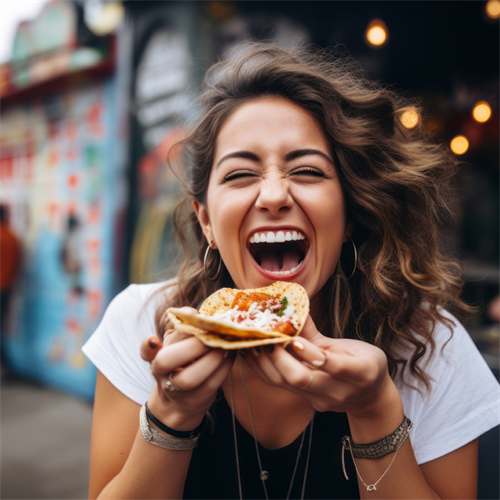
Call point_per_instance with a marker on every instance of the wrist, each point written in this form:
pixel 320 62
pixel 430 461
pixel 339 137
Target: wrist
pixel 170 415
pixel 378 418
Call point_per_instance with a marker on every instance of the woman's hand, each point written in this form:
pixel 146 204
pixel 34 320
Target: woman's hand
pixel 339 375
pixel 194 369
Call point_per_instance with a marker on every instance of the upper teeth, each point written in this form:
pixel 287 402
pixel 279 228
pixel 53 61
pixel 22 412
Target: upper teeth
pixel 278 237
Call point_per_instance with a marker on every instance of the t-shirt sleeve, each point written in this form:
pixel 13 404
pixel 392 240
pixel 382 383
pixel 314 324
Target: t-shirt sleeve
pixel 114 348
pixel 464 401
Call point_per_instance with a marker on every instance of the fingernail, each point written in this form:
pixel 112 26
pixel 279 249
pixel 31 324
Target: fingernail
pixel 298 345
pixel 255 352
pixel 320 362
pixel 270 348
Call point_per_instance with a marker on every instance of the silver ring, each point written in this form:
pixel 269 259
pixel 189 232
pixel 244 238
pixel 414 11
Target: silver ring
pixel 169 384
pixel 309 382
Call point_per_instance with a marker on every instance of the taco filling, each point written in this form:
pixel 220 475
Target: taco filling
pixel 239 319
pixel 259 310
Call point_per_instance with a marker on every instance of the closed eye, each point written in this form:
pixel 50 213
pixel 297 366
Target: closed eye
pixel 238 174
pixel 305 171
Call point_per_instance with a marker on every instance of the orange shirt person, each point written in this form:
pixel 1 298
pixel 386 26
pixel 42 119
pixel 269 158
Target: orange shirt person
pixel 10 262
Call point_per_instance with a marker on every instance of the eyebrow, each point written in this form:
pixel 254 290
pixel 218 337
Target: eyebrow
pixel 292 155
pixel 298 153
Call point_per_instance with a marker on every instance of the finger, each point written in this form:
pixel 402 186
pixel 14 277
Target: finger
pixel 309 330
pixel 220 374
pixel 150 347
pixel 175 336
pixel 176 355
pixel 338 363
pixel 292 370
pixel 198 372
pixel 189 311
pixel 309 352
pixel 268 367
pixel 167 333
pixel 251 359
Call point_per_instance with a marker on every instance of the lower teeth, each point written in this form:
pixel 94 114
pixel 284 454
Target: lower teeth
pixel 289 271
pixel 296 267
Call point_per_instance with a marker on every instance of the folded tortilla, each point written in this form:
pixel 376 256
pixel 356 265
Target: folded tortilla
pixel 225 334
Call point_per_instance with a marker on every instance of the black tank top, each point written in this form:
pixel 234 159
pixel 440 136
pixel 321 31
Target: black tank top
pixel 213 474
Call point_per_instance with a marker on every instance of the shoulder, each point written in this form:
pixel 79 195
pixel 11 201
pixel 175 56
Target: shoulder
pixel 114 348
pixel 450 346
pixel 462 402
pixel 139 302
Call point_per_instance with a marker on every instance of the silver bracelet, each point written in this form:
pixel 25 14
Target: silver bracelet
pixel 157 438
pixel 380 448
pixel 347 443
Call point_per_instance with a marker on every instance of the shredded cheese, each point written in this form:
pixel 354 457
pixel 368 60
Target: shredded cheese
pixel 257 318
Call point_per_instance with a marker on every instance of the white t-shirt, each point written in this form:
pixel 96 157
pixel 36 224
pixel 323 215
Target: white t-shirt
pixel 463 404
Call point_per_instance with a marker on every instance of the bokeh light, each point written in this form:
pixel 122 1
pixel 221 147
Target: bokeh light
pixel 459 144
pixel 493 9
pixel 409 118
pixel 103 18
pixel 376 33
pixel 481 111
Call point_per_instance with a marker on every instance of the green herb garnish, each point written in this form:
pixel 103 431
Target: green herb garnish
pixel 284 305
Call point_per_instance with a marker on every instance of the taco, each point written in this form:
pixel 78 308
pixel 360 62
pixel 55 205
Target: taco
pixel 239 319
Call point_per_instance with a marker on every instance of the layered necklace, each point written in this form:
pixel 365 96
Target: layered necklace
pixel 264 474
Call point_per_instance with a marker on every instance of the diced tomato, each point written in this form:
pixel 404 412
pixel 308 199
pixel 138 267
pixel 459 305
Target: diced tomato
pixel 285 327
pixel 244 300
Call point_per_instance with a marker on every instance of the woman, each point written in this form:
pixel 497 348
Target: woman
pixel 290 143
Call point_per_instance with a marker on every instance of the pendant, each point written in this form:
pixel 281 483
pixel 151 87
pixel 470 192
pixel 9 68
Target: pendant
pixel 264 475
pixel 371 487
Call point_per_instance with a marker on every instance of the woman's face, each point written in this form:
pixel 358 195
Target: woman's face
pixel 275 206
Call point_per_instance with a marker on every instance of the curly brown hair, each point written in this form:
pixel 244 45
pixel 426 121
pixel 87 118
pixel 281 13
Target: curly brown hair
pixel 396 182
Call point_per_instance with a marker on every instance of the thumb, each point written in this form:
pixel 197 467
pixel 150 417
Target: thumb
pixel 150 347
pixel 310 332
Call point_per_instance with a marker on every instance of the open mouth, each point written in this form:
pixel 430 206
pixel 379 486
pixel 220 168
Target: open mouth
pixel 281 252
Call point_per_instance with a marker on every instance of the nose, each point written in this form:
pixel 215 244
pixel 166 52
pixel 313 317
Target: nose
pixel 274 194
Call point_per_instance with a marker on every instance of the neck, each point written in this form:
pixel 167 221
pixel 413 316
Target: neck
pixel 320 310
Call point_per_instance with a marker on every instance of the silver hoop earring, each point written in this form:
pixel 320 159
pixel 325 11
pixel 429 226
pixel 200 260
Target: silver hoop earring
pixel 205 270
pixel 355 257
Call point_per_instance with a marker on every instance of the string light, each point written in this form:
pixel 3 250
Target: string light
pixel 459 144
pixel 481 111
pixel 492 9
pixel 409 118
pixel 376 33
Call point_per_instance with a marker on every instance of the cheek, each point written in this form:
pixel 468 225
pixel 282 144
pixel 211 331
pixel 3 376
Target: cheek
pixel 326 211
pixel 227 210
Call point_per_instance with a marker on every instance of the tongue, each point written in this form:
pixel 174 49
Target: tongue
pixel 290 260
pixel 270 262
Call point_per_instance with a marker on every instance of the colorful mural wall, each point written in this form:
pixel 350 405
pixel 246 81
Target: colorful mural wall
pixel 59 177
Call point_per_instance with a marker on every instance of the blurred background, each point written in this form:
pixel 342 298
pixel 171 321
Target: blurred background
pixel 91 94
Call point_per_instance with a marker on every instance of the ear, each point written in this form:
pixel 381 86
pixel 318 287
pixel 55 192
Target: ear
pixel 204 220
pixel 349 228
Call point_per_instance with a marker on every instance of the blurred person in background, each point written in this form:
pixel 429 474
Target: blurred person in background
pixel 72 254
pixel 293 142
pixel 10 264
